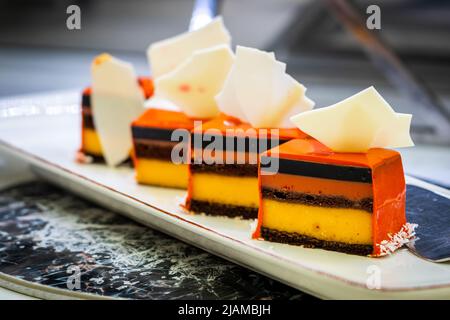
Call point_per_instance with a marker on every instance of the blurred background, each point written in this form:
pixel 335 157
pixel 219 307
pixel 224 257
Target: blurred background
pixel 321 42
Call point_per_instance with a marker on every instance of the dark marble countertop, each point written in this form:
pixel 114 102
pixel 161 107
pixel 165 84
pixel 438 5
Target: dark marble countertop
pixel 51 237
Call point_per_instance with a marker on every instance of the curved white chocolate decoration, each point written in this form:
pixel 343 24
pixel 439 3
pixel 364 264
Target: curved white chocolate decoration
pixel 117 100
pixel 164 56
pixel 258 91
pixel 357 124
pixel 193 85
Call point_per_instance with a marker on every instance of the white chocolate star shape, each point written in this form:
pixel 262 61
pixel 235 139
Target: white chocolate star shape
pixel 258 91
pixel 357 124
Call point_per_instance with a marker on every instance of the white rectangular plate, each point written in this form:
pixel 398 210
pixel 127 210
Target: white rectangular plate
pixel 45 132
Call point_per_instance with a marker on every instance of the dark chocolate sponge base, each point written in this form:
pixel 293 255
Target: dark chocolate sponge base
pixel 88 121
pixel 153 150
pixel 216 209
pixel 310 242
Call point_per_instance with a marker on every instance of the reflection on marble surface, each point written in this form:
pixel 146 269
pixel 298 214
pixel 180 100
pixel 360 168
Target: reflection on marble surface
pixel 431 212
pixel 51 237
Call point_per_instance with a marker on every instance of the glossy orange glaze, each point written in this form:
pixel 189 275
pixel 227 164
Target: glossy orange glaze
pixel 349 189
pixel 388 181
pixel 87 91
pixel 164 119
pixel 389 200
pixel 313 151
pixel 147 86
pixel 228 125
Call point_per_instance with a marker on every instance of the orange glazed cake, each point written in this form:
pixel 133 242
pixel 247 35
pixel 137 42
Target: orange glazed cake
pixel 340 190
pixel 347 202
pixel 90 142
pixel 152 145
pixel 229 189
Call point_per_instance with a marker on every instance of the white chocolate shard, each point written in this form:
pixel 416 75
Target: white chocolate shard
pixel 303 105
pixel 193 85
pixel 164 56
pixel 226 99
pixel 117 100
pixel 357 124
pixel 258 91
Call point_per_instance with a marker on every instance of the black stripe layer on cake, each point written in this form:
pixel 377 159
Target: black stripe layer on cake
pixel 310 242
pixel 152 133
pixel 237 170
pixel 216 209
pixel 318 170
pixel 318 200
pixel 249 144
pixel 86 100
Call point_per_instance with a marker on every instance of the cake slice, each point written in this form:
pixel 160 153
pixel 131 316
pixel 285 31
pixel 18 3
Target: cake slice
pixel 90 141
pixel 341 189
pixel 225 182
pixel 153 146
pixel 346 202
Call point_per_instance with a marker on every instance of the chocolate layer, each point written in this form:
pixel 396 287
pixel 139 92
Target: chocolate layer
pixel 310 242
pixel 88 121
pixel 153 149
pixel 319 170
pixel 215 209
pixel 245 144
pixel 238 170
pixel 318 200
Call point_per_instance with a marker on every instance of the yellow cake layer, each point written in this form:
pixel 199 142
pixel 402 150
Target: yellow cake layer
pixel 237 191
pixel 91 142
pixel 161 173
pixel 330 224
